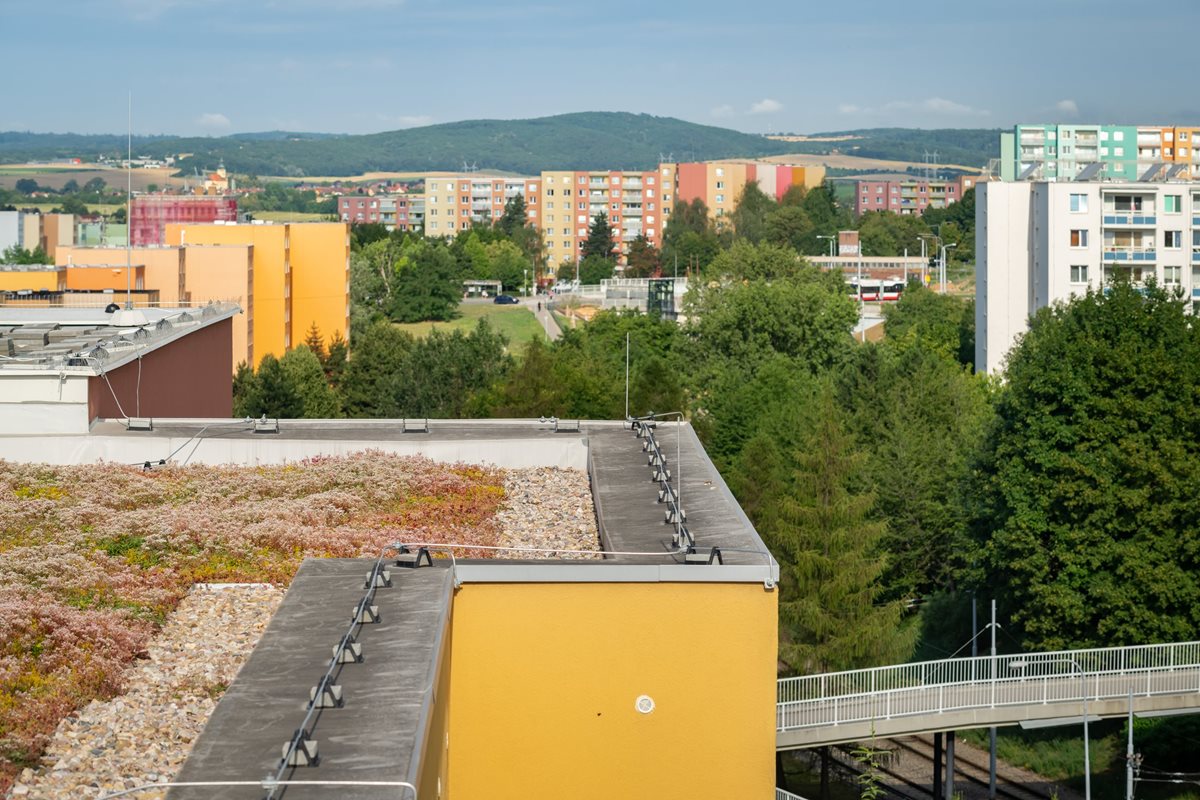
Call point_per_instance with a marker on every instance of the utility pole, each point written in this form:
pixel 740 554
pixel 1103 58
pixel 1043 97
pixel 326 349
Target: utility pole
pixel 992 730
pixel 1129 752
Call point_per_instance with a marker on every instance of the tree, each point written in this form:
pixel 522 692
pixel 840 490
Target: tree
pixel 943 323
pixel 307 379
pixel 755 261
pixel 1090 489
pixel 372 384
pixel 789 226
pixel 507 264
pixel 364 233
pixel 826 215
pixel 71 186
pixel 26 185
pixel 600 238
pixel 689 240
pixel 269 392
pixel 73 205
pixel 644 260
pixel 428 284
pixel 884 233
pixel 515 216
pixel 821 532
pixel 15 254
pixel 95 186
pixel 749 217
pixel 335 361
pixel 594 269
pixel 315 342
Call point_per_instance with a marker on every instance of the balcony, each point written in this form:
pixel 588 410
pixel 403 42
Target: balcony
pixel 1196 255
pixel 1130 218
pixel 629 183
pixel 1033 137
pixel 1120 253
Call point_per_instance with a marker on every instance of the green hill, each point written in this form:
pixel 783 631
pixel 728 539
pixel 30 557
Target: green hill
pixel 588 140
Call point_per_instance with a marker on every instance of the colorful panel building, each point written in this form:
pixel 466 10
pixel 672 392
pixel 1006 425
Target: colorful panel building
pixel 1052 152
pixel 151 213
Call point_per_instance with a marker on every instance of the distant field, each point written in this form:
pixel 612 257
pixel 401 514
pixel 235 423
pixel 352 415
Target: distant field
pixel 288 216
pixel 371 176
pixel 55 175
pixel 841 161
pixel 98 208
pixel 517 323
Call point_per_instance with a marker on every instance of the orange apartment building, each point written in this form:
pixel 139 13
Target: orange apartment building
pixel 720 183
pixel 570 200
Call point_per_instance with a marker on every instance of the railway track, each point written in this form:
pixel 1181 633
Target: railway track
pixel 969 770
pixel 911 778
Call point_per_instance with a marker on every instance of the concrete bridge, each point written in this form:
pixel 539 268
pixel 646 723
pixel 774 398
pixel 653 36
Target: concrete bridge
pixel 960 693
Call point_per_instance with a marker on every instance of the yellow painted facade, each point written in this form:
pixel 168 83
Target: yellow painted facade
pixel 160 267
pixel 320 290
pixel 50 280
pixel 309 258
pixel 224 273
pixel 545 678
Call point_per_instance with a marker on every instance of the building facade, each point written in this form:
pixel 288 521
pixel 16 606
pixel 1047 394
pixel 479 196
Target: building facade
pixel 907 196
pixel 570 200
pixel 719 184
pixel 150 214
pixel 1039 242
pixel 403 212
pixel 454 203
pixel 1048 152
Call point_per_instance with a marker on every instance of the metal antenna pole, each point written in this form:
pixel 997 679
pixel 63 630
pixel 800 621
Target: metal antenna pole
pixel 1129 752
pixel 129 206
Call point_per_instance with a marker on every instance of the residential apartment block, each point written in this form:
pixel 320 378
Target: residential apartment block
pixel 455 202
pixel 1038 242
pixel 570 200
pixel 403 212
pixel 719 184
pixel 1115 152
pixel 909 196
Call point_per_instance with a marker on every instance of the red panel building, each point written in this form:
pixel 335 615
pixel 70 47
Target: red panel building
pixel 150 213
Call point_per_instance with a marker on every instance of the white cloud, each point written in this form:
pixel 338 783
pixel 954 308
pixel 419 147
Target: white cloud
pixel 723 111
pixel 850 108
pixel 766 106
pixel 405 120
pixel 214 121
pixel 1068 108
pixel 930 105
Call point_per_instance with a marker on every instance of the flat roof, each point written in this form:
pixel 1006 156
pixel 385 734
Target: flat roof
pixel 379 733
pixel 90 341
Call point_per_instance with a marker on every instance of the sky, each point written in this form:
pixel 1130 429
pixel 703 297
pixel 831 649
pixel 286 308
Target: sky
pixel 214 67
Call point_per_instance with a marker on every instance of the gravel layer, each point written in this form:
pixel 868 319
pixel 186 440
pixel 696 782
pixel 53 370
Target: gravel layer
pixel 144 735
pixel 548 508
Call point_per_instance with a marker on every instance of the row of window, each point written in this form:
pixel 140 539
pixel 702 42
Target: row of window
pixel 1172 203
pixel 1172 275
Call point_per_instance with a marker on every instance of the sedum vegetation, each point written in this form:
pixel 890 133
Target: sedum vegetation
pixel 93 558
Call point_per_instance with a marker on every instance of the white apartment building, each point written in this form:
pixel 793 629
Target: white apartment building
pixel 1037 243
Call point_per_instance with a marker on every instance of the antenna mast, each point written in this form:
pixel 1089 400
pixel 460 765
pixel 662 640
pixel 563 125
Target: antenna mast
pixel 129 207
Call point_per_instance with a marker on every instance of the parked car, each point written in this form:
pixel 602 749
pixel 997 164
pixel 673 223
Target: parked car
pixel 505 300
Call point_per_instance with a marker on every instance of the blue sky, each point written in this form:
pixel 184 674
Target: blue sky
pixel 211 67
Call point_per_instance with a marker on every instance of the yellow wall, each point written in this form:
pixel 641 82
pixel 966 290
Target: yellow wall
pixel 50 279
pixel 98 277
pixel 224 273
pixel 544 680
pixel 320 261
pixel 270 260
pixel 162 267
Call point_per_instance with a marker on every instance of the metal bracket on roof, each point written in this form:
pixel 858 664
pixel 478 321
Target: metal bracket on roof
pixel 675 514
pixel 326 695
pixel 566 426
pixel 301 751
pixel 264 425
pixel 139 424
pixel 365 614
pixel 711 555
pixel 414 426
pixel 407 558
pixel 347 651
pixel 379 578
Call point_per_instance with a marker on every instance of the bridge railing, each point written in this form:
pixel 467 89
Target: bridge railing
pixel 986 681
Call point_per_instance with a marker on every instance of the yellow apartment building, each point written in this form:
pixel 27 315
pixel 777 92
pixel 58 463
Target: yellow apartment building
pixel 300 277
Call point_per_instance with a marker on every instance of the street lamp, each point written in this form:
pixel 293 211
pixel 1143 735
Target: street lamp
pixel 831 239
pixel 945 247
pixel 1087 763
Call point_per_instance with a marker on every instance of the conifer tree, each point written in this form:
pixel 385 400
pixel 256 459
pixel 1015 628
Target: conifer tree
pixel 599 241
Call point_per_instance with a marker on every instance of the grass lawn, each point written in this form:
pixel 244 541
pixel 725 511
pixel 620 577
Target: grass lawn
pixel 289 216
pixel 517 323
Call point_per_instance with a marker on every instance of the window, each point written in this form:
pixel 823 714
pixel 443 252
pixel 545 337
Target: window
pixel 1172 204
pixel 581 218
pixel 583 179
pixel 582 193
pixel 1172 240
pixel 650 181
pixel 720 184
pixel 720 198
pixel 583 232
pixel 1079 203
pixel 1118 136
pixel 1119 152
pixel 616 180
pixel 720 172
pixel 550 193
pixel 566 232
pixel 1127 202
pixel 550 205
pixel 1171 276
pixel 1079 273
pixel 1079 237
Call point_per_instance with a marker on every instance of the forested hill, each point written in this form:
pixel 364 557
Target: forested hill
pixel 588 140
